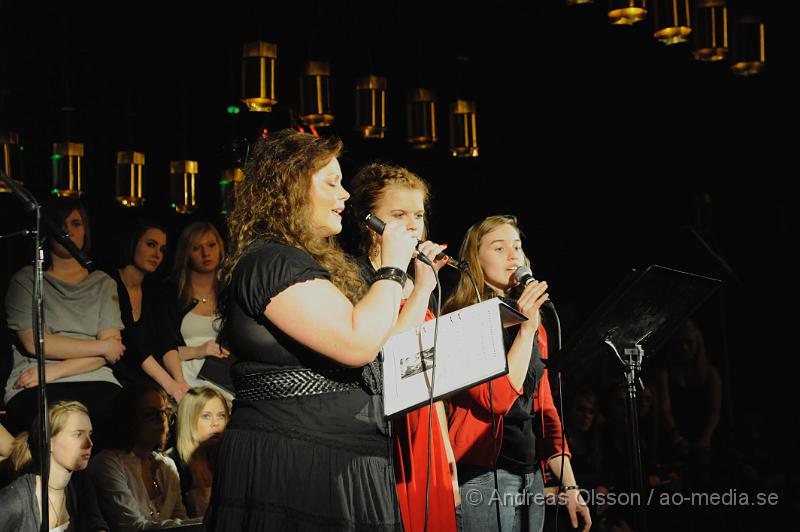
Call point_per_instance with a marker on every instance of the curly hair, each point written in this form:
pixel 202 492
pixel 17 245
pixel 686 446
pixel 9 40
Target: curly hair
pixel 272 203
pixel 367 189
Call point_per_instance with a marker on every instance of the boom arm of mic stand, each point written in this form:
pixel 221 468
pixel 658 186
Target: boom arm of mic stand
pixel 30 204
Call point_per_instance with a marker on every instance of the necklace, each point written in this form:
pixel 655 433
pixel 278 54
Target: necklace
pixel 154 503
pixel 55 510
pixel 205 298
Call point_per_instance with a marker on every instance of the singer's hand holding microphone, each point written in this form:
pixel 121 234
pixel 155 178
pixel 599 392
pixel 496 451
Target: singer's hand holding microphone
pixel 377 225
pixel 398 245
pixel 533 297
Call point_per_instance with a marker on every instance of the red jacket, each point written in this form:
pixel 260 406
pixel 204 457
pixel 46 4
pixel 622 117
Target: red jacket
pixel 470 419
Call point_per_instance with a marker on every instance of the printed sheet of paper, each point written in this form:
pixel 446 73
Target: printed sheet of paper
pixel 469 351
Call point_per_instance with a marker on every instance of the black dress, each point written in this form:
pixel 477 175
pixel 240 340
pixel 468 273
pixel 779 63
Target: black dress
pixel 309 462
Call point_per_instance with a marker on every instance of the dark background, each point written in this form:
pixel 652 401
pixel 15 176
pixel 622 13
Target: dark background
pixel 608 145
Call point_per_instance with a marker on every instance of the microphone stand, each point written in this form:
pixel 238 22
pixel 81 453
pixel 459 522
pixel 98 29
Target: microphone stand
pixel 30 204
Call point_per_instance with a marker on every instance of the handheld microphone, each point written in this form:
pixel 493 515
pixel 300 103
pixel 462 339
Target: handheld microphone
pixel 524 276
pixel 377 225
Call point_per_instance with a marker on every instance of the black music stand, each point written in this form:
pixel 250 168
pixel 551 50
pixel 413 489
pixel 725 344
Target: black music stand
pixel 640 315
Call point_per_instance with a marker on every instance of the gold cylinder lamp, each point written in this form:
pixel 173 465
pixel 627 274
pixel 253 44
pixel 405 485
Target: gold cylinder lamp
pixel 371 107
pixel 579 2
pixel 9 164
pixel 673 20
pixel 463 129
pixel 748 53
pixel 627 11
pixel 228 183
pixel 67 157
pixel 182 186
pixel 130 178
pixel 421 111
pixel 711 30
pixel 258 76
pixel 315 94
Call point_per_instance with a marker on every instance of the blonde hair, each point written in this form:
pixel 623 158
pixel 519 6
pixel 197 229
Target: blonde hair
pixel 272 203
pixel 25 454
pixel 189 410
pixel 183 250
pixel 464 294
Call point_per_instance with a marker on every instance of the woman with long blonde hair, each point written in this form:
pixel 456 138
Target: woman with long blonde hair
pixel 519 404
pixel 189 322
pixel 202 416
pixel 306 447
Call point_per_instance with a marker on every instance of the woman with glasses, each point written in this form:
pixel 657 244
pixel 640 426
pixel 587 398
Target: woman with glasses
pixel 519 404
pixel 138 487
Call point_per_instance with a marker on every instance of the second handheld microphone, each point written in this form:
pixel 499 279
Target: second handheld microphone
pixel 377 225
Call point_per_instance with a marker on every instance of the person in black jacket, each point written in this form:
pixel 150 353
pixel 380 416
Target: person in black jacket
pixel 141 254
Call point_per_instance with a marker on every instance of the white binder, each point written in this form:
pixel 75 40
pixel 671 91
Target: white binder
pixel 469 351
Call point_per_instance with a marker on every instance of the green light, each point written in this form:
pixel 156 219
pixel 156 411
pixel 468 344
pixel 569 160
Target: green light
pixel 55 157
pixel 233 110
pixel 174 206
pixel 22 148
pixel 225 182
pixel 55 191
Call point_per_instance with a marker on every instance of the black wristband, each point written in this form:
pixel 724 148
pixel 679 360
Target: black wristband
pixel 389 272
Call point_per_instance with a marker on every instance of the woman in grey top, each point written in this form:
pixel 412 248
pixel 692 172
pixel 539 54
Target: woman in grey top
pixel 81 328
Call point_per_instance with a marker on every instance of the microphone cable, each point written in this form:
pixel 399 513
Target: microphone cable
pixel 465 269
pixel 560 413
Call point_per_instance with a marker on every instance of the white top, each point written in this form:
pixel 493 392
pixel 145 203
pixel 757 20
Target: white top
pixel 197 330
pixel 117 475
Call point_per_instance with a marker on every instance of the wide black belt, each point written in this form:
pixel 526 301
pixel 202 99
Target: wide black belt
pixel 295 382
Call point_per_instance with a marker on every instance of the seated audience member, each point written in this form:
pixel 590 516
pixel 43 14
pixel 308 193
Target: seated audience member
pixel 202 416
pixel 71 499
pixel 81 329
pixel 141 253
pixel 137 486
pixel 189 320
